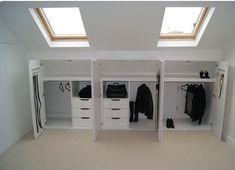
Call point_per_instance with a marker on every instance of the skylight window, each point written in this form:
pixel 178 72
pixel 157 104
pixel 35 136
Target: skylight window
pixel 62 23
pixel 182 22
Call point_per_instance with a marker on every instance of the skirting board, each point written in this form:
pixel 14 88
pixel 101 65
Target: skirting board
pixel 230 141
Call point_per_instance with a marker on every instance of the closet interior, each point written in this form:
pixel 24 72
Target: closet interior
pixel 63 81
pixel 128 95
pixel 122 113
pixel 189 96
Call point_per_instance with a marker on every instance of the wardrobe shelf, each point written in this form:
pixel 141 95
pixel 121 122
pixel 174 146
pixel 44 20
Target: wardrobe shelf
pixel 128 77
pixel 189 80
pixel 70 77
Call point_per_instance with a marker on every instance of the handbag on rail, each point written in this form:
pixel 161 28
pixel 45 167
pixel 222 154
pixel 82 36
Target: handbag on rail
pixel 116 90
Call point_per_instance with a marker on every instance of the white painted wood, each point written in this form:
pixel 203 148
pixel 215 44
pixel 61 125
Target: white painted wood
pixel 82 103
pixel 35 68
pixel 64 77
pixel 186 124
pixel 218 103
pixel 59 123
pixel 82 121
pixel 193 80
pixel 58 103
pixel 116 103
pixel 116 112
pixel 96 94
pixel 82 112
pixel 116 121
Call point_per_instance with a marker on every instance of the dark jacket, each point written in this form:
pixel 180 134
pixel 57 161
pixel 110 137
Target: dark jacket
pixel 144 101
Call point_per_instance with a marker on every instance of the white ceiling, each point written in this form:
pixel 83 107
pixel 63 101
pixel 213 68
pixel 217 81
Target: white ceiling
pixel 119 25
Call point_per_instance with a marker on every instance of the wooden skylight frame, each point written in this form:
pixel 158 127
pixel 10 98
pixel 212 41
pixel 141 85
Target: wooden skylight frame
pixel 41 15
pixel 188 36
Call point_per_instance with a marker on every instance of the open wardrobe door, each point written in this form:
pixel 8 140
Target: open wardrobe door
pixel 37 98
pixel 159 103
pixel 96 93
pixel 219 97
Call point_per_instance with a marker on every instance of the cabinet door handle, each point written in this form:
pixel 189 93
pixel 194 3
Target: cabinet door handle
pixel 84 99
pixel 115 118
pixel 85 118
pixel 115 109
pixel 115 99
pixel 85 108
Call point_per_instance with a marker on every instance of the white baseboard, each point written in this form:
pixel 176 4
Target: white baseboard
pixel 230 141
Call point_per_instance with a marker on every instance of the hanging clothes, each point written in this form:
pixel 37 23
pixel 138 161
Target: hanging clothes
pixel 144 101
pixel 195 102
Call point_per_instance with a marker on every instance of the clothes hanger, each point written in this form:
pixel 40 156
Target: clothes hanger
pixel 61 87
pixel 68 87
pixel 181 87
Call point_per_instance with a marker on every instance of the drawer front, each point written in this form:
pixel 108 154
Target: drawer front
pixel 82 103
pixel 115 103
pixel 116 112
pixel 116 122
pixel 82 112
pixel 82 121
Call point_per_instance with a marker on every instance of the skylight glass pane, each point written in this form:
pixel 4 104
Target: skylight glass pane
pixel 180 20
pixel 65 21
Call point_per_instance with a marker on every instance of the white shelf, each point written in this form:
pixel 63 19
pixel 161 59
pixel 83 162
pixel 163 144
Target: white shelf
pixel 186 124
pixel 129 77
pixel 189 80
pixel 59 123
pixel 62 123
pixel 142 124
pixel 67 77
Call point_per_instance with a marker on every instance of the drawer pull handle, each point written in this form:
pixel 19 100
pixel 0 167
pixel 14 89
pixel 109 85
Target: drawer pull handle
pixel 115 118
pixel 115 109
pixel 85 118
pixel 84 99
pixel 115 99
pixel 85 108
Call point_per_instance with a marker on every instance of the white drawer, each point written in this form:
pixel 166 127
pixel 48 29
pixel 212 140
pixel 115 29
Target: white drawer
pixel 115 103
pixel 116 122
pixel 82 103
pixel 82 112
pixel 82 121
pixel 116 112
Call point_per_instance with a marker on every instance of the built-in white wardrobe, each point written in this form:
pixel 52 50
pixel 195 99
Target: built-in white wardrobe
pixel 179 74
pixel 56 103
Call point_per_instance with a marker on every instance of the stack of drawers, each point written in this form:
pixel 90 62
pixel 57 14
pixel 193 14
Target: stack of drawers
pixel 82 112
pixel 116 112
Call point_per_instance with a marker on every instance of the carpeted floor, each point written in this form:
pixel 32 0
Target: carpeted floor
pixel 119 150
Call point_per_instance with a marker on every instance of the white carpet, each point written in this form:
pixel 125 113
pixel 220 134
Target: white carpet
pixel 119 150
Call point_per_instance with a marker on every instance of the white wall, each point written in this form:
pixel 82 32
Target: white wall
pixel 15 116
pixel 71 53
pixel 229 119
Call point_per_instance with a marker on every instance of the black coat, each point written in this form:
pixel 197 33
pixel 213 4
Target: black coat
pixel 144 101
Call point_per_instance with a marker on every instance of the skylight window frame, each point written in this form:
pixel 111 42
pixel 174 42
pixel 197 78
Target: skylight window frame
pixel 188 36
pixel 45 22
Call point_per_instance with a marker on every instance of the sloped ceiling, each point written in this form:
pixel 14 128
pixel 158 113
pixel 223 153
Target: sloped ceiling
pixel 119 25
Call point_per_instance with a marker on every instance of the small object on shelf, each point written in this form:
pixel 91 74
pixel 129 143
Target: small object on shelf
pixel 206 74
pixel 201 73
pixel 168 123
pixel 172 123
pixel 116 90
pixel 85 92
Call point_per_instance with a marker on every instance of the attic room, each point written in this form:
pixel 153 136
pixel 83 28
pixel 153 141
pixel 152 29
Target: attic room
pixel 117 85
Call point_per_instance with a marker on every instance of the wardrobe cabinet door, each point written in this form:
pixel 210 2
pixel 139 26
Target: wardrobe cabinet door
pixel 219 97
pixel 37 98
pixel 96 94
pixel 159 102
